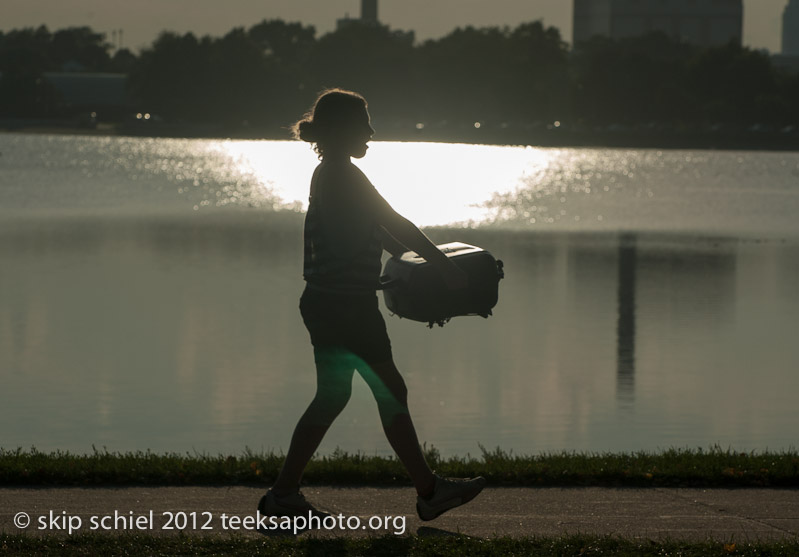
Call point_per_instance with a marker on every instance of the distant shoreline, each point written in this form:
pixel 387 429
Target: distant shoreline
pixel 746 140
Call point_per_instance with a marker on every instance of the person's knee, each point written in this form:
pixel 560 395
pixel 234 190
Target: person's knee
pixel 396 385
pixel 392 404
pixel 327 405
pixel 400 393
pixel 392 398
pixel 319 415
pixel 386 383
pixel 335 398
pixel 393 417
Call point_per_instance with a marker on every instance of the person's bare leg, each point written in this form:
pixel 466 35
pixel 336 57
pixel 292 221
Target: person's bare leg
pixel 333 388
pixel 391 395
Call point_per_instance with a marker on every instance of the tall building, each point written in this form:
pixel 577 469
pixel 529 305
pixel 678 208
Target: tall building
pixel 368 15
pixel 701 22
pixel 790 29
pixel 369 11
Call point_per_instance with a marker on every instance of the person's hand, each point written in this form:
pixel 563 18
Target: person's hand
pixel 454 277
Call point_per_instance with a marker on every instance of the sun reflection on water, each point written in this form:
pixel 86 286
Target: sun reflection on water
pixel 441 183
pixel 429 183
pixel 534 188
pixel 526 188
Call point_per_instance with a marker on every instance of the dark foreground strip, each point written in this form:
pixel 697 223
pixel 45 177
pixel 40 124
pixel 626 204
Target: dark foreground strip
pixel 413 545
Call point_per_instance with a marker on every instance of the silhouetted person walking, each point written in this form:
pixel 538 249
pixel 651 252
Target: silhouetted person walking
pixel 347 226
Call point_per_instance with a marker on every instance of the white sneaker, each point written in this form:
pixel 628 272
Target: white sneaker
pixel 293 504
pixel 448 493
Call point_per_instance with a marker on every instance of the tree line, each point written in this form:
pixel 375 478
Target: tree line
pixel 525 77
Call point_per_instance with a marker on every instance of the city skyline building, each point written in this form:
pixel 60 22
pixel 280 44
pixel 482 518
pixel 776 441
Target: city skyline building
pixel 790 29
pixel 368 15
pixel 369 11
pixel 700 22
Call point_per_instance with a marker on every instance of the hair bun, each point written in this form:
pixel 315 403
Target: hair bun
pixel 308 131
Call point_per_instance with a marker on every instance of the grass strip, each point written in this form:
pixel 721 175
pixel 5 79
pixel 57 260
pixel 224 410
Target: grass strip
pixel 97 544
pixel 713 467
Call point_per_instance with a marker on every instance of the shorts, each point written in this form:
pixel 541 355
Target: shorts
pixel 349 321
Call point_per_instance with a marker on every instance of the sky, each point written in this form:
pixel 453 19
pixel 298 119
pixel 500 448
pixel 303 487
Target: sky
pixel 142 20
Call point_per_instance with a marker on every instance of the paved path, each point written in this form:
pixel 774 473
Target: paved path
pixel 689 514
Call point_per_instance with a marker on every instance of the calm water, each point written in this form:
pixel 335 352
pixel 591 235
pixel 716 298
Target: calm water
pixel 148 297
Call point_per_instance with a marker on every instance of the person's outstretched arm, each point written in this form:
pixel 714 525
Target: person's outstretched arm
pixel 391 245
pixel 409 236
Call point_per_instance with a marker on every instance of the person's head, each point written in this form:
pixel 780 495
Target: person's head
pixel 338 124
